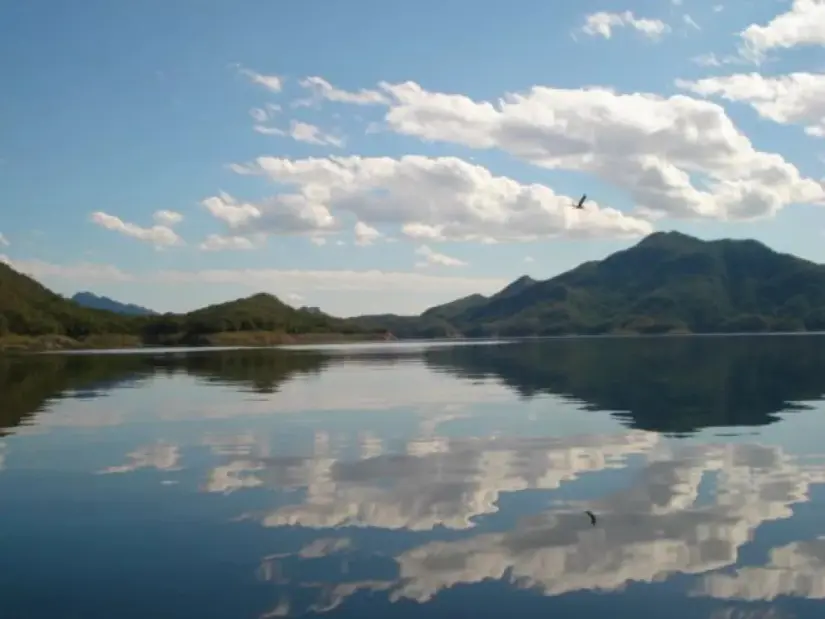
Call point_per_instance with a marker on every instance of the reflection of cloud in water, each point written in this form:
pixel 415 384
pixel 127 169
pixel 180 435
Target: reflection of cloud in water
pixel 3 453
pixel 439 481
pixel 797 569
pixel 235 444
pixel 656 528
pixel 161 455
pixel 653 530
pixel 321 547
pixel 750 613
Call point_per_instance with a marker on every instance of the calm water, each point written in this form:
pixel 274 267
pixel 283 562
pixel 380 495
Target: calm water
pixel 414 481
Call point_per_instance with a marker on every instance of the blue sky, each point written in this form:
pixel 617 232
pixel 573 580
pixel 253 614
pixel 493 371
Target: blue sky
pixel 175 154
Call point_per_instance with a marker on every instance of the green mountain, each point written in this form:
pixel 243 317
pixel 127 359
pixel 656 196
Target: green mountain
pixel 27 307
pixel 668 282
pixel 30 310
pixel 88 299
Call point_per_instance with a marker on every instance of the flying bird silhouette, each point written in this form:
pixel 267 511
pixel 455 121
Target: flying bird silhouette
pixel 580 203
pixel 592 517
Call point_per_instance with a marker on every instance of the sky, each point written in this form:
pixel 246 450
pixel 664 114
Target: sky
pixel 370 157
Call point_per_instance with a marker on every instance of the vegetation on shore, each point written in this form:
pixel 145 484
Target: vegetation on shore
pixel 32 317
pixel 667 283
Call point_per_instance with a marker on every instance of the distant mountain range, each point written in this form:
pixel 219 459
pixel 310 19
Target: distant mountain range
pixel 93 301
pixel 667 283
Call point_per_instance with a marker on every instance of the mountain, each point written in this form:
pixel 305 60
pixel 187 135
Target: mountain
pixel 88 299
pixel 32 316
pixel 668 282
pixel 27 307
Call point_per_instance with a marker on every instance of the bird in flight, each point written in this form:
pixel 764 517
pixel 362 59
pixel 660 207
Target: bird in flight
pixel 580 203
pixel 592 517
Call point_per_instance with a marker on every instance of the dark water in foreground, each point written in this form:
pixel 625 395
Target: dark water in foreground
pixel 382 481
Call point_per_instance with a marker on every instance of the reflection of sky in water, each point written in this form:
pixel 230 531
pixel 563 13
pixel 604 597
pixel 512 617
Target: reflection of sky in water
pixel 379 488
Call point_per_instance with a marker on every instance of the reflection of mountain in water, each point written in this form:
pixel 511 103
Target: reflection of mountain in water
pixel 659 384
pixel 29 383
pixel 672 384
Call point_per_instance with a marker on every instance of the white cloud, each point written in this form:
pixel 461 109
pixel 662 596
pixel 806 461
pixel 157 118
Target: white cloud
pixel 303 132
pixel 803 24
pixel 677 155
pixel 230 211
pixel 689 21
pixel 259 115
pixel 157 235
pixel 603 23
pixel 434 258
pixel 216 242
pixel 708 60
pixel 310 134
pixel 796 98
pixel 4 241
pixel 264 130
pixel 269 280
pixel 322 90
pixel 273 83
pixel 365 235
pixel 79 272
pixel 319 241
pixel 529 259
pixel 436 198
pixel 293 297
pixel 167 218
pixel 718 8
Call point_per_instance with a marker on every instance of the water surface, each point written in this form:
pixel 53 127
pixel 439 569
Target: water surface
pixel 418 481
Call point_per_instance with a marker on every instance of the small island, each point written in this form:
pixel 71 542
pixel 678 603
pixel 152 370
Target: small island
pixel 668 283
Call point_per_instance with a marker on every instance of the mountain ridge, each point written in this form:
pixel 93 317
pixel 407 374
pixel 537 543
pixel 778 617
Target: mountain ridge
pixel 668 282
pixel 91 300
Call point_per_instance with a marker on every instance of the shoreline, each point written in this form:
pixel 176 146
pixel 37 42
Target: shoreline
pixel 267 339
pixel 233 339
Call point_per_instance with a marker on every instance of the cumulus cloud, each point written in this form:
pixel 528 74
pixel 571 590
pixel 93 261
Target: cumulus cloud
pixel 230 211
pixel 796 98
pixel 802 24
pixel 216 242
pixel 434 258
pixel 158 235
pixel 303 132
pixel 677 155
pixel 441 198
pixel 365 235
pixel 167 218
pixel 322 90
pixel 264 114
pixel 273 83
pixel 603 23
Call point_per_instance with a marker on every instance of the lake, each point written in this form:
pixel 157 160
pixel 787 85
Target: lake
pixel 412 481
